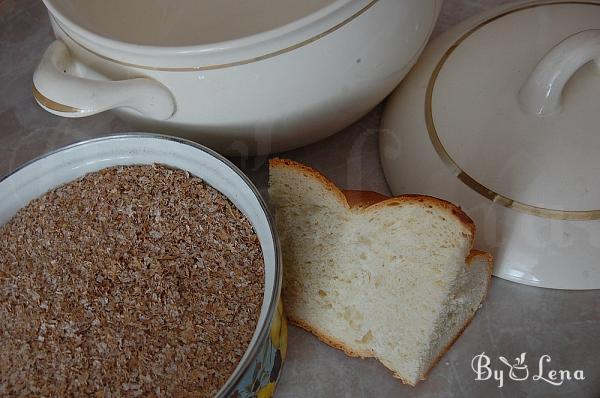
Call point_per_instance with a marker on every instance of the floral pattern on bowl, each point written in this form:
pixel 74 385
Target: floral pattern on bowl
pixel 261 379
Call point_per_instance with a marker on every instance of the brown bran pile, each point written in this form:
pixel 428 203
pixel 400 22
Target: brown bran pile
pixel 131 281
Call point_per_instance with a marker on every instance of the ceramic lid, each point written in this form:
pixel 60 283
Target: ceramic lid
pixel 500 116
pixel 184 22
pixel 514 106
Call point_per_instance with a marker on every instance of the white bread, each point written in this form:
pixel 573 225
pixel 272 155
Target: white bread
pixel 390 278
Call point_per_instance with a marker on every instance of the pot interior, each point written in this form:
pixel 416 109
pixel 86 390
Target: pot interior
pixel 182 22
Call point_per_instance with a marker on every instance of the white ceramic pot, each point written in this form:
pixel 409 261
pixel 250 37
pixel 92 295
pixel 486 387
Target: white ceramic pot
pixel 500 115
pixel 259 367
pixel 262 78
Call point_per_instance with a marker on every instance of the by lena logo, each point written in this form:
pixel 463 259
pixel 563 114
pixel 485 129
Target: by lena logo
pixel 519 370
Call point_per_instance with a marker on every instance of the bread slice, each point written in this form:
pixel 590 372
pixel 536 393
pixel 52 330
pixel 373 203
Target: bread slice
pixel 390 278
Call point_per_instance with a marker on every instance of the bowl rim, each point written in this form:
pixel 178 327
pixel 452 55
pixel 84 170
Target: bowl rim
pixel 252 350
pixel 247 49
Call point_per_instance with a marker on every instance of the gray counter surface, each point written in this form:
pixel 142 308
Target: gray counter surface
pixel 562 324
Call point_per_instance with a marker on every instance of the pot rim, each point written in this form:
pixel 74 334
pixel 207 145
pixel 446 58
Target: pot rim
pixel 251 351
pixel 234 52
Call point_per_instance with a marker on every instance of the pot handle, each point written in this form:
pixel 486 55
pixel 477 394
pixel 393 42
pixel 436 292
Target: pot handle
pixel 542 93
pixel 59 92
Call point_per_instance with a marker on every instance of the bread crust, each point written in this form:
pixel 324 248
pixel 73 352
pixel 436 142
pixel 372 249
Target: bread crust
pixel 358 199
pixel 367 201
pixel 335 343
pixel 474 256
pixel 310 172
pixel 329 340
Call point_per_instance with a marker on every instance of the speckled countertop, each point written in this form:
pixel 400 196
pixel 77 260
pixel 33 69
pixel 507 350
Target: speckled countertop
pixel 562 324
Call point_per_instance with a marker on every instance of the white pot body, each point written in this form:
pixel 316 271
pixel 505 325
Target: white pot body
pixel 296 95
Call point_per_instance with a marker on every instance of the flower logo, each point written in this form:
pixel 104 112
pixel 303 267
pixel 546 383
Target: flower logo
pixel 519 371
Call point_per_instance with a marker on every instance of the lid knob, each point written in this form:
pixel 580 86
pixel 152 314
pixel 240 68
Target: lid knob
pixel 541 94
